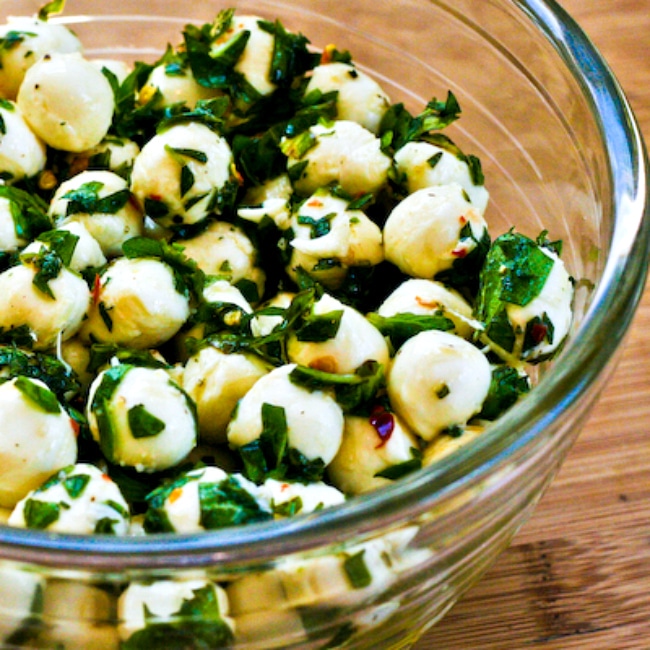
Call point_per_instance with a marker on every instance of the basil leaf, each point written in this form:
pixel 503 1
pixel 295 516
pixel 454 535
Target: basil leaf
pixel 142 423
pixel 317 328
pixel 53 7
pixel 506 386
pixel 86 200
pixel 41 397
pixel 29 212
pixel 401 327
pixel 357 571
pixel 228 504
pixel 76 484
pixel 105 526
pixel 40 514
pixel 289 508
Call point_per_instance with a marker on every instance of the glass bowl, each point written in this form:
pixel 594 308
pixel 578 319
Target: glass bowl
pixel 561 150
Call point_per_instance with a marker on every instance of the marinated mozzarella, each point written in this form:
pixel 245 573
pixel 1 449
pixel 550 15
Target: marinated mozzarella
pixel 20 598
pixel 431 229
pixel 270 199
pixel 30 40
pixel 144 607
pixel 314 421
pixel 141 418
pixel 359 97
pixel 438 381
pixel 37 437
pixel 343 152
pixel 50 314
pixel 136 303
pixel 77 499
pixel 289 498
pixel 426 165
pixel 182 174
pixel 101 201
pixel 22 152
pixel 10 240
pixel 67 101
pixel 216 381
pixel 355 342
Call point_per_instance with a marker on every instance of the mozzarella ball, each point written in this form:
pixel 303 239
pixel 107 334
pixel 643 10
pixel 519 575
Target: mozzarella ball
pixel 444 444
pixel 287 499
pixel 35 440
pixel 204 499
pixel 427 165
pixel 360 98
pixel 10 241
pixel 225 250
pixel 112 154
pixel 177 87
pixel 216 382
pixel 137 304
pixel 105 208
pixel 179 175
pixel 31 39
pixel 22 152
pixel 141 418
pixel 355 342
pixel 254 64
pixel 437 381
pixel 370 446
pixel 550 309
pixel 423 234
pixel 20 595
pixel 314 420
pixel 427 298
pixel 79 616
pixel 324 229
pixel 76 354
pixel 343 152
pixel 67 101
pixel 77 499
pixel 262 325
pixel 146 606
pixel 270 199
pixel 22 303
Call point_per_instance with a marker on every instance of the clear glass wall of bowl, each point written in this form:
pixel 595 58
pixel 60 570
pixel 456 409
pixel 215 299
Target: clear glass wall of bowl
pixel 542 113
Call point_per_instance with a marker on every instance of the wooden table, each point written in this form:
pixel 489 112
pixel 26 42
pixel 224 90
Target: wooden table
pixel 578 574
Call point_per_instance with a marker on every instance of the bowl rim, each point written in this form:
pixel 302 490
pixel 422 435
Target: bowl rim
pixel 600 334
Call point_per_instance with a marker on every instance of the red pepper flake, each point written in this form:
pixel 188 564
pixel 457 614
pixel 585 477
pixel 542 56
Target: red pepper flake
pixel 326 56
pixel 383 423
pixel 75 427
pixel 175 495
pixel 97 288
pixel 315 203
pixel 462 219
pixel 106 477
pixel 538 332
pixel 459 252
pixel 155 197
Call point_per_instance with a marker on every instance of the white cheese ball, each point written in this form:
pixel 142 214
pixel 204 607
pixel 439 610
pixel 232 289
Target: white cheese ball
pixel 360 98
pixel 343 152
pixel 314 419
pixel 225 250
pixel 148 604
pixel 351 239
pixel 136 303
pixel 22 152
pixel 553 304
pixel 112 153
pixel 67 101
pixel 255 62
pixel 292 498
pixel 141 418
pixel 270 199
pixel 216 382
pixel 80 499
pixel 422 235
pixel 23 304
pixel 180 172
pixel 427 165
pixel 181 506
pixel 437 381
pixel 121 69
pixel 356 342
pixel 76 354
pixel 370 446
pixel 110 229
pixel 79 616
pixel 20 595
pixel 426 298
pixel 33 39
pixel 34 443
pixel 178 87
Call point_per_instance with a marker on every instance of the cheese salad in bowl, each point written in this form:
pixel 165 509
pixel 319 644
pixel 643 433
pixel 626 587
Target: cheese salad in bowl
pixel 242 286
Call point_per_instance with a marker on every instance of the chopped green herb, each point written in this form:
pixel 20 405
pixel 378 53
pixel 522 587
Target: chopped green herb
pixel 142 423
pixel 40 396
pixel 357 571
pixel 40 514
pixel 75 485
pixel 228 504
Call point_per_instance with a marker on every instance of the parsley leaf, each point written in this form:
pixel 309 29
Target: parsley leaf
pixel 401 327
pixel 41 397
pixel 142 423
pixel 227 503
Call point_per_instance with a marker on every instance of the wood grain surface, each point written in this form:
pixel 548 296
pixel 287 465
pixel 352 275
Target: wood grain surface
pixel 578 574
